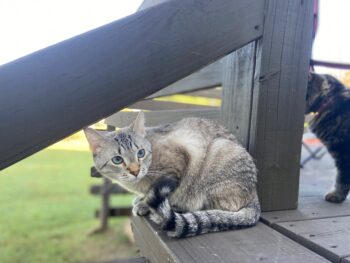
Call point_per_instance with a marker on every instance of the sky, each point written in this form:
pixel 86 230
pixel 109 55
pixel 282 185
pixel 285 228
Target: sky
pixel 27 26
pixel 30 25
pixel 332 41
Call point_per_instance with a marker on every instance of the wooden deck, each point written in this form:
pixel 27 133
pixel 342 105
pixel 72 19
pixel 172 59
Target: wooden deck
pixel 316 232
pixel 317 225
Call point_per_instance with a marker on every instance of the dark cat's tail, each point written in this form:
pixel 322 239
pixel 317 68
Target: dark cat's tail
pixel 181 225
pixel 198 222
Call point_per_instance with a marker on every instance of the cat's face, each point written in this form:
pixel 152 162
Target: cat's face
pixel 320 87
pixel 123 156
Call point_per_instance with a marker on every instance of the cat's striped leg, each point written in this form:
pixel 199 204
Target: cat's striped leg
pixel 155 196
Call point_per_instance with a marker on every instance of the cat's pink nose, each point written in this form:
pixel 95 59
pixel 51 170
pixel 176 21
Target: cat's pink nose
pixel 134 169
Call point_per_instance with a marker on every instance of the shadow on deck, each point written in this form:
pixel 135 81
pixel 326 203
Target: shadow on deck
pixel 316 232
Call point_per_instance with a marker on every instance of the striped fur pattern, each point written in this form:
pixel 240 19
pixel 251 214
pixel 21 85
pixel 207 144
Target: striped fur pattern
pixel 330 100
pixel 156 204
pixel 198 178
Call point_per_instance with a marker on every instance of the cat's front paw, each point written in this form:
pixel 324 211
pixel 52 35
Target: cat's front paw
pixel 335 197
pixel 140 208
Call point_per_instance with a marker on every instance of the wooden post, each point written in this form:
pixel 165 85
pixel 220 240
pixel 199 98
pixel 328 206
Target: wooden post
pixel 104 212
pixel 105 196
pixel 269 96
pixel 238 77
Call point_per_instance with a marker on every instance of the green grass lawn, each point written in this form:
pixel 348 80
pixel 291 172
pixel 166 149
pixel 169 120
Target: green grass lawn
pixel 46 212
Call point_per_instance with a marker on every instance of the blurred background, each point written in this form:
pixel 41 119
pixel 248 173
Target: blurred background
pixel 46 209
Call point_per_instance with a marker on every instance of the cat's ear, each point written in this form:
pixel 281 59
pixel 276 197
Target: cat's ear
pixel 94 139
pixel 138 125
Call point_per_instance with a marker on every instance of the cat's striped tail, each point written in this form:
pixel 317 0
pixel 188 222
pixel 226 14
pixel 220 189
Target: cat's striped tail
pixel 181 225
pixel 197 222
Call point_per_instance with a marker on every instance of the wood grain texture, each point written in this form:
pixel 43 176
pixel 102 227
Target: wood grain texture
pixel 210 76
pixel 329 237
pixel 150 243
pixel 153 118
pixel 237 90
pixel 278 101
pixel 257 244
pixel 210 93
pixel 164 105
pixel 54 92
pixel 308 208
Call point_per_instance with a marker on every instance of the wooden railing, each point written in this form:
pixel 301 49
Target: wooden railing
pixel 54 92
pixel 263 96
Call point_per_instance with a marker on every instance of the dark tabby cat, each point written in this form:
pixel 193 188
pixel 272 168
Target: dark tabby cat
pixel 331 100
pixel 192 176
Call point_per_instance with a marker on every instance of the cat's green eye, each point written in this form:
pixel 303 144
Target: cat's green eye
pixel 141 153
pixel 117 160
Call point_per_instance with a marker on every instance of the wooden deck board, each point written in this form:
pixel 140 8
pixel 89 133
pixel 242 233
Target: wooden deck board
pixel 318 225
pixel 309 208
pixel 257 244
pixel 329 237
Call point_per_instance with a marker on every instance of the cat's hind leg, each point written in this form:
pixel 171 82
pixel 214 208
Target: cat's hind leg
pixel 342 186
pixel 339 193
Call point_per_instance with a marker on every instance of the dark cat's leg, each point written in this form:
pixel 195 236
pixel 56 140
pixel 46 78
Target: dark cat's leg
pixel 339 193
pixel 342 185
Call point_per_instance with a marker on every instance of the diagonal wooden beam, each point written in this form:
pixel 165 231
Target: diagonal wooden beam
pixel 54 92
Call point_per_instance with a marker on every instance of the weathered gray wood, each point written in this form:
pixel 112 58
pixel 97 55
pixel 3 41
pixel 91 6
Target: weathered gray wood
pixel 104 214
pixel 114 212
pixel 257 244
pixel 210 76
pixel 54 92
pixel 308 208
pixel 329 237
pixel 345 260
pixel 112 189
pixel 210 93
pixel 164 105
pixel 153 118
pixel 278 101
pixel 150 243
pixel 237 90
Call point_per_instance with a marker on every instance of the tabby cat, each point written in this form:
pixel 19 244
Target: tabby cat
pixel 192 176
pixel 327 97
